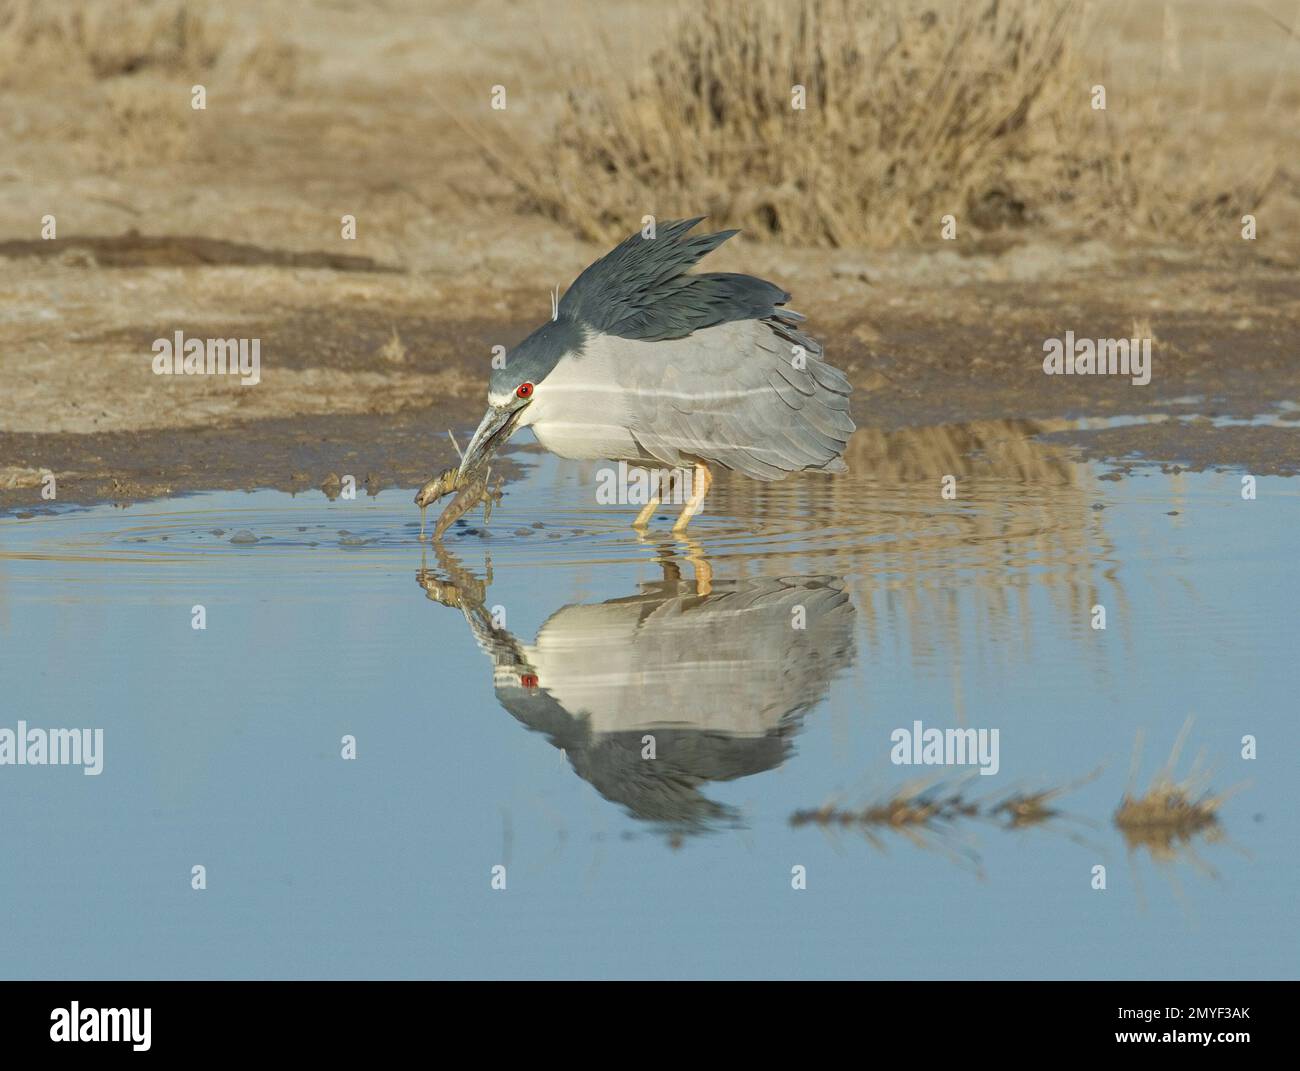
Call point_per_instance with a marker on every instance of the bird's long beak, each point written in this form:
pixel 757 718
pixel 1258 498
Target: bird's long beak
pixel 497 425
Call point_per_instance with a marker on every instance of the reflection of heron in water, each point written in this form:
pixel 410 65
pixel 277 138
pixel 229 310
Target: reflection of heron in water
pixel 719 677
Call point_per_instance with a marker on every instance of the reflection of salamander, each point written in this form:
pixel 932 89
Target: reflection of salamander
pixel 720 681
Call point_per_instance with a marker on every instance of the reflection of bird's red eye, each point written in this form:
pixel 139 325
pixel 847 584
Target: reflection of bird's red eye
pixel 528 680
pixel 524 390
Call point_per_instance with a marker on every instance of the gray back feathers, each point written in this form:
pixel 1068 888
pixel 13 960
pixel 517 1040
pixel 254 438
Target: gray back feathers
pixel 641 288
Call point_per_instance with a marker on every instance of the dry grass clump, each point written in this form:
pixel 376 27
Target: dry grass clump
pixel 922 813
pixel 1021 810
pixel 921 808
pixel 272 65
pixel 914 110
pixel 1171 813
pixel 132 61
pixel 54 39
pixel 1166 814
pixel 911 806
pixel 143 122
pixel 911 112
pixel 1024 809
pixel 394 349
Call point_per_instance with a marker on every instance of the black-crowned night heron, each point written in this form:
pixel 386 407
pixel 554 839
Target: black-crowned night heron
pixel 648 364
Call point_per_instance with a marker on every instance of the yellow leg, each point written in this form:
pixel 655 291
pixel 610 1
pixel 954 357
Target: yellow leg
pixel 643 518
pixel 699 488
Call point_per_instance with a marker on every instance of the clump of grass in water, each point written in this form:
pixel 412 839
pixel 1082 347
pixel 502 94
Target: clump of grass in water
pixel 1171 814
pixel 1166 820
pixel 1021 810
pixel 927 815
pixel 922 812
pixel 909 808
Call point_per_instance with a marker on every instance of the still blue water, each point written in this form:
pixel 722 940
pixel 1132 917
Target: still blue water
pixel 509 733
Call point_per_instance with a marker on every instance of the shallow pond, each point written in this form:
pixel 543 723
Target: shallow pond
pixel 502 692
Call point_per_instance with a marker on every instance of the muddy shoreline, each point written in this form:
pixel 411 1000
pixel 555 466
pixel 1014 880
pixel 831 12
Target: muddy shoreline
pixel 339 198
pixel 371 390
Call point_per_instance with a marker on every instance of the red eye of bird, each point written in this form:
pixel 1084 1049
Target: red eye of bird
pixel 524 390
pixel 528 680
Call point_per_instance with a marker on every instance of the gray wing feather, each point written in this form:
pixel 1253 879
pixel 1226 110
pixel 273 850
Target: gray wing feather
pixel 734 395
pixel 641 289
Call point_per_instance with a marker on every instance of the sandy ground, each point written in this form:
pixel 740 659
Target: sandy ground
pixel 226 223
